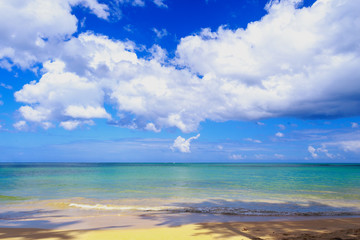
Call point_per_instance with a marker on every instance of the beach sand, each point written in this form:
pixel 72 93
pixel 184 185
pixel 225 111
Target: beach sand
pixel 337 228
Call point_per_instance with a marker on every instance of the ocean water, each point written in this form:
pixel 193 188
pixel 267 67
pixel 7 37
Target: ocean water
pixel 238 189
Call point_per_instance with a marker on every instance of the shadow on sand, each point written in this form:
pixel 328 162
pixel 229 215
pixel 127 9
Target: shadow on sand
pixel 223 226
pixel 30 223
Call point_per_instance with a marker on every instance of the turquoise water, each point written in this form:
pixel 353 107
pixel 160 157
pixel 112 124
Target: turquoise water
pixel 327 187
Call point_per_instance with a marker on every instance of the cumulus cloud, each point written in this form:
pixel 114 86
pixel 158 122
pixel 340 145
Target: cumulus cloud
pixel 61 95
pixel 94 68
pixel 312 151
pixel 73 124
pixel 279 134
pixel 34 30
pixel 300 62
pixel 315 151
pixel 152 127
pixel 183 145
pixel 20 125
pixel 354 125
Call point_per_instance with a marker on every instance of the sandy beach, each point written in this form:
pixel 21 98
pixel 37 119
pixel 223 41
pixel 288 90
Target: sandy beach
pixel 339 228
pixel 211 204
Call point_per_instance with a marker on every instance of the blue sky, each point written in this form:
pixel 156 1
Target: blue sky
pixel 180 81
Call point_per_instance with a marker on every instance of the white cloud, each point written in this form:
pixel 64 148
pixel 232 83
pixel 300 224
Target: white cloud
pixel 300 62
pixel 160 33
pixel 139 3
pixel 6 86
pixel 354 125
pixel 70 125
pixel 312 151
pixel 260 123
pixel 347 145
pixel 47 125
pixel 160 3
pixel 33 31
pixel 183 145
pixel 325 151
pixel 73 124
pixel 60 95
pixel 152 127
pixel 293 62
pixel 282 126
pixel 95 68
pixel 237 157
pixel 21 125
pixel 252 140
pixel 86 112
pixel 279 134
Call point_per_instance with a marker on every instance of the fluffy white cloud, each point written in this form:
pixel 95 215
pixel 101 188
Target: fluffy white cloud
pixel 61 95
pixel 293 62
pixel 20 125
pixel 183 145
pixel 279 134
pixel 94 68
pixel 354 125
pixel 33 31
pixel 73 124
pixel 312 151
pixel 152 127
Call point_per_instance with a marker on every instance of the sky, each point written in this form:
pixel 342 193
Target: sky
pixel 180 81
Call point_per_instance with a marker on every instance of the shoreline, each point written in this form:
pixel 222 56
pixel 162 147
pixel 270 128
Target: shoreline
pixel 56 219
pixel 68 214
pixel 329 228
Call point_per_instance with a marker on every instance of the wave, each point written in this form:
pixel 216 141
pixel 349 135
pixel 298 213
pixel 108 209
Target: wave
pixel 210 210
pixel 111 207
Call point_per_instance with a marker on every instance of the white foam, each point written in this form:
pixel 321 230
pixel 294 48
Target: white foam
pixel 123 208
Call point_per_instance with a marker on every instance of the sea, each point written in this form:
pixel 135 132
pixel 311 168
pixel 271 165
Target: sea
pixel 269 189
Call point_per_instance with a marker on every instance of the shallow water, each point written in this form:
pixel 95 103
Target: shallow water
pixel 242 189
